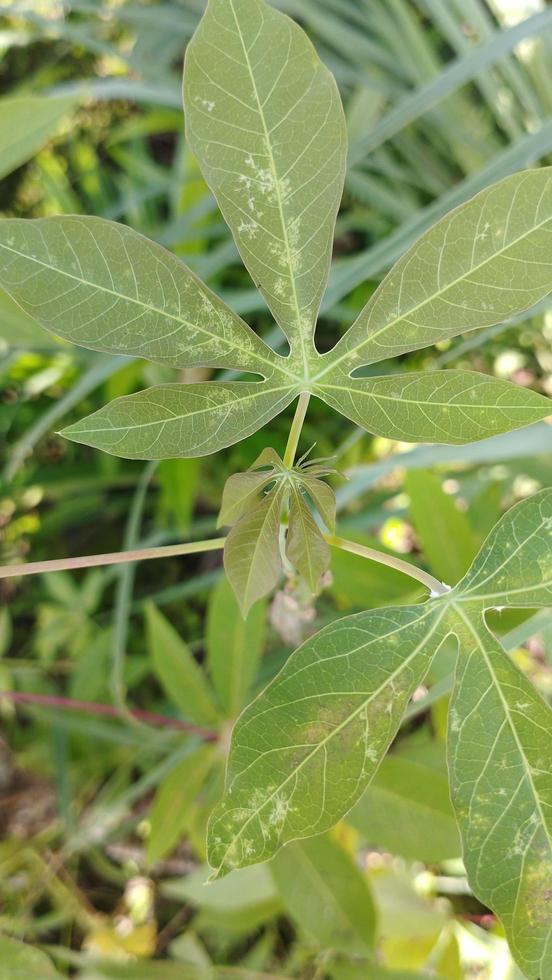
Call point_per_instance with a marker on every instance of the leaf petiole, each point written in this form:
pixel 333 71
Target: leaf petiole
pixel 435 587
pixel 295 431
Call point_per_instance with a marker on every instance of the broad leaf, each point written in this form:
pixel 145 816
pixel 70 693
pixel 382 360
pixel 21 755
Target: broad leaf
pixel 500 759
pixel 181 420
pixel 252 558
pixel 26 123
pixel 179 674
pixel 264 118
pixel 514 566
pixel 234 647
pixel 443 406
pixel 303 752
pixel 326 894
pixel 305 546
pixel 485 261
pixel 104 286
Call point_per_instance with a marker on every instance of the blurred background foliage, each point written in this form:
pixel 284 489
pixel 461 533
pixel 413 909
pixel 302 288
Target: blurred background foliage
pixel 103 805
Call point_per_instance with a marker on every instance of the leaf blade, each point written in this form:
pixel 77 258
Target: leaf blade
pixel 446 407
pixel 252 559
pixel 174 420
pixel 305 546
pixel 266 107
pixel 500 747
pixel 259 812
pixel 144 301
pixel 234 647
pixel 429 295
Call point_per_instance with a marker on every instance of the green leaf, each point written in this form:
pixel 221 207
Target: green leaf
pixel 305 547
pixel 181 420
pixel 176 669
pixel 326 894
pixel 407 810
pixel 252 558
pixel 500 755
pixel 26 123
pixel 173 802
pixel 322 497
pixel 303 752
pixel 242 491
pixel 444 532
pixel 179 482
pixel 514 566
pixel 103 286
pixel 265 120
pixel 234 647
pixel 434 406
pixel 485 261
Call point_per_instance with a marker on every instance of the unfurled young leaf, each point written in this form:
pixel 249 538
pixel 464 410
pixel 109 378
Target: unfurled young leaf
pixel 305 546
pixel 252 558
pixel 322 497
pixel 234 647
pixel 243 490
pixel 303 752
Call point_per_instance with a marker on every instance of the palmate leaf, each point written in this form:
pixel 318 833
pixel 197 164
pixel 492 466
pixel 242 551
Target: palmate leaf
pixel 264 118
pixel 304 751
pixel 305 546
pixel 252 559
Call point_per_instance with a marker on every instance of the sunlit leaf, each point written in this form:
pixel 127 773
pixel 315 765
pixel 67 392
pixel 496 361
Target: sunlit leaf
pixel 264 117
pixel 500 758
pixel 303 753
pixel 104 286
pixel 443 406
pixel 252 559
pixel 181 420
pixel 485 261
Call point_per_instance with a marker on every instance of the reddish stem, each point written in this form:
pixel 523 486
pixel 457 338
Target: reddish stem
pixel 93 708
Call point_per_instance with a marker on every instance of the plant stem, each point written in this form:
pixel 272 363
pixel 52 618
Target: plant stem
pixel 94 708
pixel 295 431
pixel 112 558
pixel 435 587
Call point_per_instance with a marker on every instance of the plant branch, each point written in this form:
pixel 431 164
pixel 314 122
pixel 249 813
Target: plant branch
pixel 94 708
pixel 112 558
pixel 295 431
pixel 435 587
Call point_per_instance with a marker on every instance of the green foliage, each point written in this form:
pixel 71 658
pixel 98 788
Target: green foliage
pixel 303 753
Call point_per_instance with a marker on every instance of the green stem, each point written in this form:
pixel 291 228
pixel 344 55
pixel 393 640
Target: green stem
pixel 295 431
pixel 435 587
pixel 112 558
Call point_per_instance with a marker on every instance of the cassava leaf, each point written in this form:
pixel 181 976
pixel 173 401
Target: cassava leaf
pixel 26 123
pixel 514 566
pixel 434 406
pixel 322 497
pixel 304 751
pixel 181 420
pixel 326 894
pixel 104 286
pixel 500 760
pixel 241 492
pixel 252 558
pixel 234 647
pixel 265 120
pixel 485 261
pixel 305 546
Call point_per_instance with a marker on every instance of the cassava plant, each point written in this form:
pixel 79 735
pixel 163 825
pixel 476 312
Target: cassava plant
pixel 265 120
